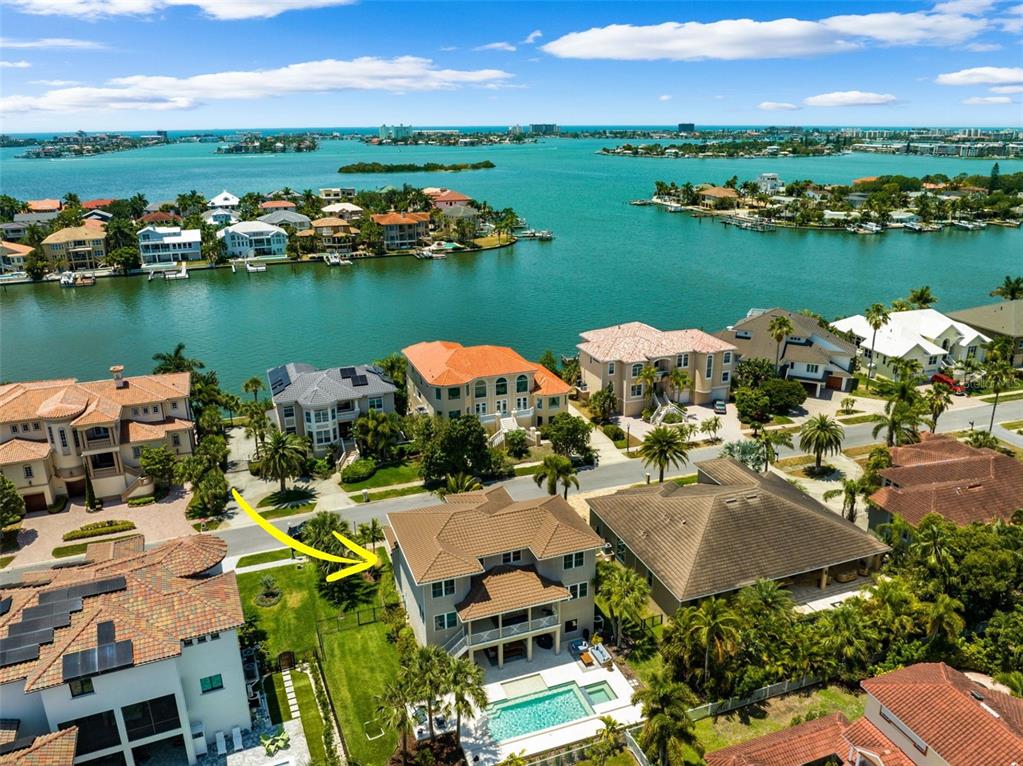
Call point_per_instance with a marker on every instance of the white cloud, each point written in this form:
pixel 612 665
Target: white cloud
pixel 1007 89
pixel 982 47
pixel 52 42
pixel 217 9
pixel 968 7
pixel 850 98
pixel 665 97
pixel 532 37
pixel 983 75
pixel 397 75
pixel 776 106
pixel 14 65
pixel 1012 23
pixel 908 28
pixel 54 83
pixel 986 100
pixel 448 48
pixel 498 46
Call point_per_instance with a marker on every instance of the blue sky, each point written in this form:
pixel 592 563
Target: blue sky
pixel 147 64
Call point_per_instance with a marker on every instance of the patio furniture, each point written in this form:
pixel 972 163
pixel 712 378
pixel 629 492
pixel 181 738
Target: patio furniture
pixel 221 743
pixel 844 577
pixel 578 646
pixel 586 659
pixel 600 654
pixel 236 736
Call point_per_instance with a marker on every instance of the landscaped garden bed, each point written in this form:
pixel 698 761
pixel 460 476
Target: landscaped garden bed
pixel 98 528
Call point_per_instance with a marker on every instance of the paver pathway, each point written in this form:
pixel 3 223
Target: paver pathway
pixel 289 692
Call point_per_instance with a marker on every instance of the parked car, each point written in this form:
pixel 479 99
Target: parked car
pixel 957 388
pixel 719 407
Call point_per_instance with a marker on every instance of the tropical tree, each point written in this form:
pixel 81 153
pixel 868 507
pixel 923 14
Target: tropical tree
pixel 938 399
pixel 922 297
pixel 647 377
pixel 668 732
pixel 982 439
pixel 746 451
pixel 1011 289
pixel 283 456
pixel 850 492
pixel 175 361
pixel 393 709
pixel 943 620
pixel 371 533
pixel 662 447
pixel 432 673
pixel 999 375
pixel 770 440
pixel 462 482
pixel 12 504
pixel 877 317
pixel 257 424
pixel 465 683
pixel 377 434
pixel 609 742
pixel 253 386
pixel 678 380
pixel 602 404
pixel 779 329
pixel 625 593
pixel 556 468
pixel 158 464
pixel 848 637
pixel 931 546
pixel 821 435
pixel 900 423
pixel 711 426
pixel 715 628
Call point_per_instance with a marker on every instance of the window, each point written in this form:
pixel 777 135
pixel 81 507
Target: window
pixel 620 550
pixel 579 590
pixel 75 434
pixel 136 452
pixel 14 429
pixel 309 417
pixel 376 403
pixel 49 431
pixel 211 683
pixel 539 403
pixel 636 391
pixel 95 732
pixel 214 636
pixel 571 626
pixel 176 440
pixel 288 411
pixel 436 394
pixel 135 411
pixel 511 557
pixel 80 687
pixel 174 405
pixel 813 369
pixel 480 389
pixel 574 560
pixel 28 472
pixel 521 384
pixel 443 588
pixel 682 361
pixel 454 393
pixel 156 409
pixel 743 334
pixel 322 416
pixel 554 402
pixel 35 426
pixel 63 438
pixel 636 370
pixel 725 376
pixel 445 621
pixel 453 414
pixel 481 408
pixel 931 361
pixel 24 428
pixel 145 410
pixel 501 387
pixel 727 358
pixel 144 719
pixel 710 367
pixel 610 368
pixel 971 352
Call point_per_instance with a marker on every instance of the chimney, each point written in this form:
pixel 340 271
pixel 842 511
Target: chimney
pixel 117 371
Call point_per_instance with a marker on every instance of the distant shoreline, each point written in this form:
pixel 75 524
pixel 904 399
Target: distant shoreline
pixel 401 167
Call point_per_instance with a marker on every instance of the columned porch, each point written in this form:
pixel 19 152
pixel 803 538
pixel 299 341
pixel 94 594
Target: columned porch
pixel 514 633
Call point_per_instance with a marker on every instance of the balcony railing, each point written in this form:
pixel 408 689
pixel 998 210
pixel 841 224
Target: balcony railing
pixel 509 631
pixel 105 473
pixel 99 441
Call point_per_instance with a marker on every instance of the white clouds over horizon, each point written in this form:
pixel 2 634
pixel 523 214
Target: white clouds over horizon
pixel 986 100
pixel 14 65
pixel 501 45
pixel 224 10
pixel 776 106
pixel 52 43
pixel 1006 89
pixel 850 98
pixel 396 75
pixel 983 75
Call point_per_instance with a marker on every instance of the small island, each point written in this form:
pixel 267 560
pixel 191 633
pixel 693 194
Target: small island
pixel 408 167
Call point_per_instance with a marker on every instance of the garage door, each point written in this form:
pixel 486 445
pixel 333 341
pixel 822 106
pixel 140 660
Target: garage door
pixel 834 383
pixel 75 488
pixel 35 502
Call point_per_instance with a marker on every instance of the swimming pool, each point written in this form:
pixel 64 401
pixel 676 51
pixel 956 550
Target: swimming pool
pixel 518 716
pixel 599 692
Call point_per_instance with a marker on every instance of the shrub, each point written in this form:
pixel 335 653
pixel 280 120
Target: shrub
pixel 673 417
pixel 135 502
pixel 360 470
pixel 517 443
pixel 647 414
pixel 99 528
pixel 613 432
pixel 784 395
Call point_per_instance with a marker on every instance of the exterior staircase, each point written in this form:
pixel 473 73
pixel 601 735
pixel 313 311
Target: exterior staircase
pixel 664 406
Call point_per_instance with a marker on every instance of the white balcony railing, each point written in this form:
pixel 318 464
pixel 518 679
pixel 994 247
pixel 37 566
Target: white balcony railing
pixel 509 631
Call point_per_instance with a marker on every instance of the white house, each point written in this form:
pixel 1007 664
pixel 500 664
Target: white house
pixel 928 336
pixel 220 217
pixel 337 194
pixel 769 183
pixel 168 244
pixel 139 651
pixel 252 239
pixel 347 210
pixel 224 200
pixel 903 217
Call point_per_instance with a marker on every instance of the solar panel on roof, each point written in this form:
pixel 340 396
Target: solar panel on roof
pixel 360 380
pixel 5 605
pixel 49 596
pixel 97 587
pixel 347 372
pixel 106 655
pixel 59 620
pixel 18 744
pixel 14 656
pixel 72 667
pixel 105 632
pixel 18 640
pixel 88 662
pixel 124 652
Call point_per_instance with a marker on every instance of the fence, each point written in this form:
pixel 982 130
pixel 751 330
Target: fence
pixel 761 694
pixel 635 749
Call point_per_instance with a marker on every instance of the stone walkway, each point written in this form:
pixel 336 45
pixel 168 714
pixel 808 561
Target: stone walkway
pixel 289 692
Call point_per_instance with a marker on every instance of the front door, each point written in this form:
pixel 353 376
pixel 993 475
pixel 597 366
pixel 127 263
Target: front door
pixel 502 406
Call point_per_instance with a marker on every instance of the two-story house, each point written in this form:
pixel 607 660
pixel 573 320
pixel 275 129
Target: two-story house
pixel 224 201
pixel 220 217
pixel 76 247
pixel 403 231
pixel 323 404
pixel 334 235
pixel 616 356
pixel 54 432
pixel 487 575
pixel 253 239
pixel 495 383
pixel 136 649
pixel 813 355
pixel 169 244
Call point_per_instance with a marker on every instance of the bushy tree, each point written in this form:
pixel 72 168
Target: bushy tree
pixel 211 492
pixel 602 405
pixel 455 446
pixel 751 373
pixel 569 435
pixel 753 406
pixel 517 443
pixel 124 259
pixel 784 395
pixel 12 504
pixel 158 464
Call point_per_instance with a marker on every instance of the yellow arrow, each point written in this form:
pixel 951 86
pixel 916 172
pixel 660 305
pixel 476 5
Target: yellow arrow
pixel 366 558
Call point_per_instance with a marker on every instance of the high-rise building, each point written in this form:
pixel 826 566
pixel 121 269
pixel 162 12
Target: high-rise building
pixel 686 127
pixel 393 132
pixel 543 129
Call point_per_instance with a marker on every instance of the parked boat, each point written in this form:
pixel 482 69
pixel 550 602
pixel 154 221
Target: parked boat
pixel 85 280
pixel 919 228
pixel 67 279
pixel 671 207
pixel 747 224
pixel 544 235
pixel 254 268
pixel 864 228
pixel 182 273
pixel 641 202
pixel 968 225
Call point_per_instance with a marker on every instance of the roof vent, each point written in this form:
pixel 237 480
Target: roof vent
pixel 117 371
pixel 731 500
pixel 976 695
pixel 753 496
pixel 990 709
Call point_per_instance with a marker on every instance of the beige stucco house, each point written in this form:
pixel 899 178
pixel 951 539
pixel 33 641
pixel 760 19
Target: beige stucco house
pixel 76 247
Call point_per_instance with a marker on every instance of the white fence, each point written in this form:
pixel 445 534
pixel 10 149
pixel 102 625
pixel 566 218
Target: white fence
pixel 761 694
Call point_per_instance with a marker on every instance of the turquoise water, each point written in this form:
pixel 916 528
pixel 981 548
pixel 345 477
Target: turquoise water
pixel 598 693
pixel 609 263
pixel 519 716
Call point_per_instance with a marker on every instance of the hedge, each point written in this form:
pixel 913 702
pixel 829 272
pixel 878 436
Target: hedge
pixel 359 470
pixel 99 528
pixel 134 502
pixel 613 432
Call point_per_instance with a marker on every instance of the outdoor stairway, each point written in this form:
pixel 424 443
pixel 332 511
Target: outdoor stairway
pixel 663 408
pixel 506 423
pixel 289 691
pixel 456 645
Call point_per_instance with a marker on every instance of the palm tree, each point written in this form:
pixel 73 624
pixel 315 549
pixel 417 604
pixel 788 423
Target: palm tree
pixel 746 451
pixel 253 386
pixel 970 368
pixel 716 629
pixel 938 399
pixel 432 673
pixel 679 381
pixel 663 447
pixel 465 685
pixel 779 329
pixel 175 361
pixel 769 441
pixel 392 710
pixel 256 424
pixel 931 545
pixel 942 618
pixel 462 482
pixel 667 727
pixel 1011 289
pixel 850 492
pixel 900 423
pixel 982 440
pixel 556 468
pixel 848 637
pixel 922 297
pixel 610 741
pixel 284 456
pixel 377 433
pixel 371 533
pixel 999 376
pixel 625 592
pixel 648 378
pixel 821 435
pixel 877 317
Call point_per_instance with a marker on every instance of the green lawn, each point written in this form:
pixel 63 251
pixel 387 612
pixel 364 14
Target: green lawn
pixel 849 421
pixel 386 493
pixel 624 758
pixel 276 699
pixel 528 470
pixel 781 420
pixel 264 558
pixel 1012 425
pixel 385 477
pixel 861 390
pixel 312 723
pixel 5 560
pixel 287 510
pixel 1009 396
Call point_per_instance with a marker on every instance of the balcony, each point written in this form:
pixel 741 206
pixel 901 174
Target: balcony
pixel 514 630
pixel 344 416
pixel 98 442
pixel 105 473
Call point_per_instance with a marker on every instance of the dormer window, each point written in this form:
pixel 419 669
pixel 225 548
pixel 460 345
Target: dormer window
pixel 511 557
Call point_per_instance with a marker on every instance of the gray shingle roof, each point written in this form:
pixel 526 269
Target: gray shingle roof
pixel 34 217
pixel 297 383
pixel 763 346
pixel 280 217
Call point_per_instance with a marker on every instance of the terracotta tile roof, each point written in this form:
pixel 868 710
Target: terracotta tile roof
pixel 106 550
pixel 719 192
pixel 160 216
pixel 944 476
pixel 42 205
pixel 732 528
pixel 392 218
pixel 449 195
pixel 22 450
pixel 93 204
pixel 446 363
pixel 936 703
pixel 639 342
pixel 54 749
pixel 167 598
pixel 73 233
pixel 331 221
pixel 94 225
pixel 137 431
pixel 505 588
pixel 447 540
pixel 863 735
pixel 14 248
pixel 277 204
pixel 789 747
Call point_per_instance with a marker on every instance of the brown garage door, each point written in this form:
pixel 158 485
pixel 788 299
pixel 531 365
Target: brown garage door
pixel 75 488
pixel 834 383
pixel 35 502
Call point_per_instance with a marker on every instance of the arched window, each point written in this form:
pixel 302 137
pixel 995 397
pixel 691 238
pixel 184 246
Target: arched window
pixel 481 389
pixel 636 369
pixel 521 384
pixel 501 387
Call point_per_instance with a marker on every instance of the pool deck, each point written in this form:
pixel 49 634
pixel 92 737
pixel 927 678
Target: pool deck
pixel 481 750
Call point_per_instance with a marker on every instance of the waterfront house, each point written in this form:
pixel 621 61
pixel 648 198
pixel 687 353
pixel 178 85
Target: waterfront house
pixel 942 475
pixel 769 183
pixel 997 320
pixel 98 204
pixel 220 217
pixel 271 205
pixel 12 231
pixel 12 256
pixel 161 217
pixel 99 215
pixel 403 231
pixel 323 404
pixel 347 210
pixel 224 201
pixel 718 197
pixel 494 383
pixel 167 204
pixel 731 528
pixel 17 228
pixel 902 217
pixel 925 335
pixel 337 194
pixel 616 356
pixel 456 213
pixel 138 650
pixel 813 355
pixel 169 244
pixel 297 221
pixel 75 248
pixel 253 239
pixel 43 205
pixel 927 714
pixel 53 432
pixel 443 198
pixel 484 575
pixel 334 235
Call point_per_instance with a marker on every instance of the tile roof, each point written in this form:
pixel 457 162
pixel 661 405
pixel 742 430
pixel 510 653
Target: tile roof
pixel 93 204
pixel 137 431
pixel 447 540
pixel 305 385
pixel 737 527
pixel 789 747
pixel 1005 318
pixel 394 218
pixel 42 205
pixel 446 363
pixel 22 450
pixel 639 342
pixel 53 749
pixel 14 248
pixel 450 195
pixel 277 204
pixel 8 730
pixel 74 233
pixel 936 703
pixel 762 346
pixel 721 192
pixel 505 588
pixel 160 216
pixel 944 476
pixel 167 598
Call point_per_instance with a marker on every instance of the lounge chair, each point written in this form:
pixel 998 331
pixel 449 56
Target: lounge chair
pixel 221 743
pixel 586 659
pixel 236 735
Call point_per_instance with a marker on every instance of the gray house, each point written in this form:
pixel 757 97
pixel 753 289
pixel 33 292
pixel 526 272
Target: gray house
pixel 297 221
pixel 323 404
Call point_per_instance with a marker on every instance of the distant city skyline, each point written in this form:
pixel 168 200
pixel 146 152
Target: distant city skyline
pixel 184 64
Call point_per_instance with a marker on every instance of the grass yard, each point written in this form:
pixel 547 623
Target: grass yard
pixel 276 699
pixel 623 758
pixel 312 723
pixel 775 714
pixel 5 560
pixel 781 420
pixel 385 477
pixel 853 420
pixel 264 558
pixel 493 241
pixel 288 510
pixel 386 493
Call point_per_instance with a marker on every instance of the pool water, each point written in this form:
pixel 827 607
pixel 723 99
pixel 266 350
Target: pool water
pixel 599 692
pixel 518 716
